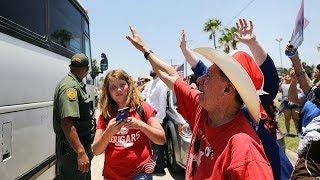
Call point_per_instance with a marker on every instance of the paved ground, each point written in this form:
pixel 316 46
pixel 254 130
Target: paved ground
pixel 97 167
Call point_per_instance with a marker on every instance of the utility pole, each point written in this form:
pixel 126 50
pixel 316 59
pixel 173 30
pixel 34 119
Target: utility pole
pixel 280 52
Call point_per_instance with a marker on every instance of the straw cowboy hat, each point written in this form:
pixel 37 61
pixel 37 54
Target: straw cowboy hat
pixel 244 74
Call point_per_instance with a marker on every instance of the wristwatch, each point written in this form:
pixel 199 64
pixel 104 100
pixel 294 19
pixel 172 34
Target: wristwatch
pixel 147 53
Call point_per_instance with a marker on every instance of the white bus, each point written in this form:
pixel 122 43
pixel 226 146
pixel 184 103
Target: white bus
pixel 37 38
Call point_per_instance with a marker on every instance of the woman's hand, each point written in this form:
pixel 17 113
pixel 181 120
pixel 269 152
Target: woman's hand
pixel 133 123
pixel 114 127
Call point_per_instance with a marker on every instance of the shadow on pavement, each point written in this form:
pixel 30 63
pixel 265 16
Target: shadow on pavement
pixel 178 175
pixel 169 175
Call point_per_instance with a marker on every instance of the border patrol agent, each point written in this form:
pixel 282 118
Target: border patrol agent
pixel 73 123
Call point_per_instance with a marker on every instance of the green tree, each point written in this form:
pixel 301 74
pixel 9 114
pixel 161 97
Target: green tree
pixel 234 42
pixel 224 41
pixel 95 69
pixel 212 26
pixel 227 40
pixel 307 68
pixel 62 36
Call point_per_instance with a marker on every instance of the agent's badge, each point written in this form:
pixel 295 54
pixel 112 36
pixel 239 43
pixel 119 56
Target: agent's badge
pixel 72 94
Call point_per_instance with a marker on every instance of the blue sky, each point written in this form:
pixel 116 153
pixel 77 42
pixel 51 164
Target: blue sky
pixel 160 22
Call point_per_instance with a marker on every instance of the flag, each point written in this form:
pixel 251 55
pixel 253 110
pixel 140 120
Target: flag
pixel 297 34
pixel 150 165
pixel 306 23
pixel 180 67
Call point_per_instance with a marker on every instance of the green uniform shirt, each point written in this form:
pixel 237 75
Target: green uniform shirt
pixel 71 100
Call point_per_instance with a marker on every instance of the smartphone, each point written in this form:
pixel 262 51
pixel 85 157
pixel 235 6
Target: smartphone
pixel 122 114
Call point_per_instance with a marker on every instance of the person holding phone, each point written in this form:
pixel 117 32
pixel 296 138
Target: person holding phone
pixel 126 140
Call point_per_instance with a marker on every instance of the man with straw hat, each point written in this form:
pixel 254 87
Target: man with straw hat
pixel 224 145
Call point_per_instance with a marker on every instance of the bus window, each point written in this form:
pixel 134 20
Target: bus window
pixel 87 47
pixel 28 14
pixel 85 26
pixel 65 21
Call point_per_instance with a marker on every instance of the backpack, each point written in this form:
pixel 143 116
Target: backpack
pixel 152 162
pixel 140 111
pixel 280 164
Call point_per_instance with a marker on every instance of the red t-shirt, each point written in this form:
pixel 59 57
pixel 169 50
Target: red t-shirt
pixel 230 151
pixel 129 150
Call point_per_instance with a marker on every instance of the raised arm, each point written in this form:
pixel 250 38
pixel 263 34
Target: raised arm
pixel 245 35
pixel 197 66
pixel 187 53
pixel 301 75
pixel 165 71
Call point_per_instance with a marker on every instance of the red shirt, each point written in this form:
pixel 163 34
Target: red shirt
pixel 129 150
pixel 230 151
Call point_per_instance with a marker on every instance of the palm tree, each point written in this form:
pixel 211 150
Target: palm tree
pixel 234 42
pixel 211 26
pixel 224 41
pixel 227 39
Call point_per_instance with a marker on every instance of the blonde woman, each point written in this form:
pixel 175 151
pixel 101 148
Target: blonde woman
pixel 126 145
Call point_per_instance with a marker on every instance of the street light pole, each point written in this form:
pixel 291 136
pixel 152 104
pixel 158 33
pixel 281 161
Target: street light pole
pixel 280 54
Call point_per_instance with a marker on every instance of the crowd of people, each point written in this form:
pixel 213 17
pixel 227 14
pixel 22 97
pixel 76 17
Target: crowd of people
pixel 228 105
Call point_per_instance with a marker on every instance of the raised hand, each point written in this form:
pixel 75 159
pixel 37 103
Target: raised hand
pixel 245 31
pixel 183 42
pixel 136 40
